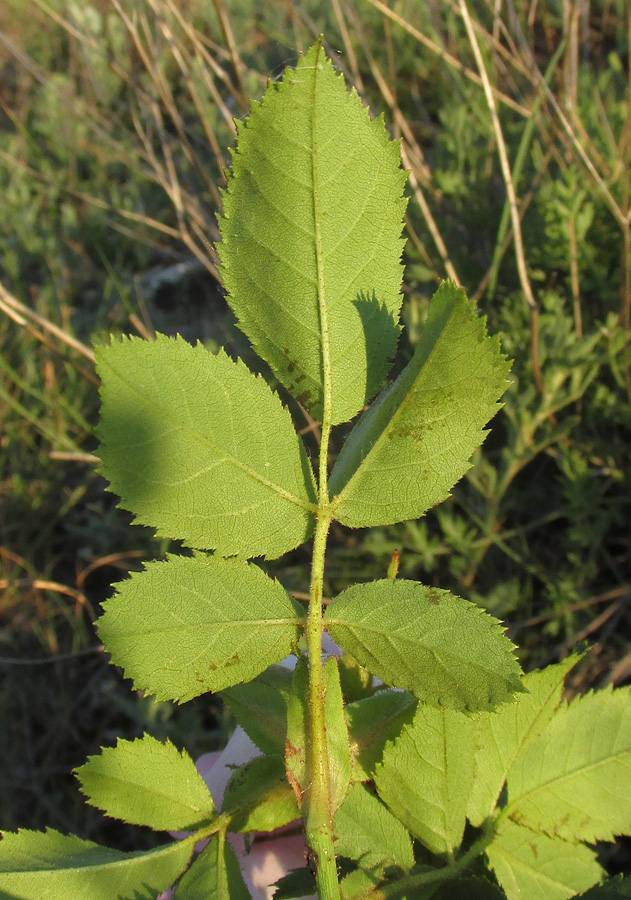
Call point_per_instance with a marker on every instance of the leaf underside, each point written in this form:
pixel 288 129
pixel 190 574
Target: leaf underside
pixel 372 722
pixel 575 780
pixel 426 776
pixel 531 866
pixel 415 441
pixel 260 708
pixel 311 238
pixel 194 624
pixel 201 449
pixel 443 649
pixel 365 830
pixel 505 734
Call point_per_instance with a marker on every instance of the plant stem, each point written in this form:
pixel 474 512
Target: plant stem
pixel 318 818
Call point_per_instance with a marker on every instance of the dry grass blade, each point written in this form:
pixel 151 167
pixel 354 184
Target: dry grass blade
pixel 581 154
pixel 443 54
pixel 21 314
pixel 206 60
pixel 348 46
pixel 429 218
pixel 88 458
pixel 195 230
pixel 525 203
pixel 503 155
pixel 224 21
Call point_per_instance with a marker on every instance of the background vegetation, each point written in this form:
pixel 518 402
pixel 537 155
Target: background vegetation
pixel 115 122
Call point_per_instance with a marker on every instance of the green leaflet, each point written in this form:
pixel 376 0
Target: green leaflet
pixel 298 730
pixel 365 830
pixel 356 682
pixel 443 649
pixel 48 865
pixel 311 238
pixel 531 866
pixel 189 625
pixel 201 449
pixel 426 775
pixel 259 797
pixel 505 734
pixel 260 707
pixel 575 780
pixel 338 747
pixel 372 722
pixel 358 884
pixel 214 875
pixel 414 443
pixel 147 783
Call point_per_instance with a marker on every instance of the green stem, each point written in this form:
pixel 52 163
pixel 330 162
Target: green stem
pixel 318 818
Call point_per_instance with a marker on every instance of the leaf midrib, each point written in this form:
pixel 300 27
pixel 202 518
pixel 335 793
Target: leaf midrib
pixel 198 627
pixel 387 635
pixel 361 468
pixel 327 398
pixel 573 773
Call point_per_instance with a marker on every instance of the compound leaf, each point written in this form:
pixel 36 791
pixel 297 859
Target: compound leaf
pixel 311 238
pixel 506 733
pixel 201 449
pixel 145 782
pixel 443 649
pixel 531 866
pixel 214 875
pixel 414 443
pixel 194 624
pixel 575 780
pixel 48 865
pixel 367 831
pixel 426 775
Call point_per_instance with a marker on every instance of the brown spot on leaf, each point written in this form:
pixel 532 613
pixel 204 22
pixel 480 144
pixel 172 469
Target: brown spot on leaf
pixel 233 661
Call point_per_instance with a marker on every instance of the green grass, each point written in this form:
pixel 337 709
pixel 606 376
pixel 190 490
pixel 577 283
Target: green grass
pixel 113 136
